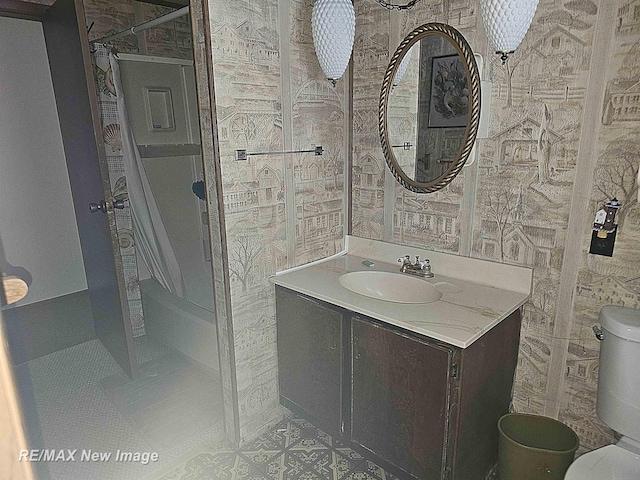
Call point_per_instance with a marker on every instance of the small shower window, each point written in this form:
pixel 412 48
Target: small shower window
pixel 159 107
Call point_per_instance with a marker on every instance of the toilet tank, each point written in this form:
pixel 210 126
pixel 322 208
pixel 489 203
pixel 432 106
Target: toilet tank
pixel 619 371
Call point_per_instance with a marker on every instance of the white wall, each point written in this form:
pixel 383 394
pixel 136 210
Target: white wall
pixel 171 180
pixel 37 220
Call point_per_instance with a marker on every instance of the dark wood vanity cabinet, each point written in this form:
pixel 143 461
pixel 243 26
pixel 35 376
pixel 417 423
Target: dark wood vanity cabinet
pixel 310 358
pixel 427 409
pixel 401 388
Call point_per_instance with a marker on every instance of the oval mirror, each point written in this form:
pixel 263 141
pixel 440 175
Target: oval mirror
pixel 429 107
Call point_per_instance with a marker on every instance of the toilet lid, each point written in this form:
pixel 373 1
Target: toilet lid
pixel 610 462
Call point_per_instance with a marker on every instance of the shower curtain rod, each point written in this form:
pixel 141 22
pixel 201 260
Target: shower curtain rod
pixel 181 12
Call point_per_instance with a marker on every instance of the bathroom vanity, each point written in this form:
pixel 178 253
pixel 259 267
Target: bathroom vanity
pixel 420 385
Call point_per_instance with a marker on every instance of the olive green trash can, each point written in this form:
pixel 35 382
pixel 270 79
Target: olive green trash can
pixel 532 447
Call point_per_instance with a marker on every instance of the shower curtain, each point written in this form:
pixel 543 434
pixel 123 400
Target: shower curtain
pixel 152 240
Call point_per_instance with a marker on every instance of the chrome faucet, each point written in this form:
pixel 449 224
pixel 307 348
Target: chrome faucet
pixel 420 268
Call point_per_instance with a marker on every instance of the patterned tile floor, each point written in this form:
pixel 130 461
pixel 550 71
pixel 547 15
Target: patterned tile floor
pixel 294 449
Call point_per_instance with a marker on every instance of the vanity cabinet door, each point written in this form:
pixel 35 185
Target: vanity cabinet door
pixel 310 358
pixel 400 395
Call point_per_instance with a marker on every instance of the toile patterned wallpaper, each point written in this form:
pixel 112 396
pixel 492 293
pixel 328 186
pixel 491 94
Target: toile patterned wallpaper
pixel 562 141
pixel 603 280
pixel 106 17
pixel 279 210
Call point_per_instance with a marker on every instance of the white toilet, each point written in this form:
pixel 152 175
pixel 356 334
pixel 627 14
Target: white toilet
pixel 618 399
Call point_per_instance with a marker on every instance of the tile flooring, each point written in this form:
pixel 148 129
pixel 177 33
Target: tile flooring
pixel 76 399
pixel 294 449
pixel 171 402
pixel 67 407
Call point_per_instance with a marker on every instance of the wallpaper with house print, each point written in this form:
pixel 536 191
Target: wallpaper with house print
pixel 170 40
pixel 209 141
pixel 603 280
pixel 279 210
pixel 525 179
pixel 370 58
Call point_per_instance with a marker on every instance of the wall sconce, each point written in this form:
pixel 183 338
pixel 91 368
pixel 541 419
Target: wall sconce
pixel 333 24
pixel 16 282
pixel 402 68
pixel 506 23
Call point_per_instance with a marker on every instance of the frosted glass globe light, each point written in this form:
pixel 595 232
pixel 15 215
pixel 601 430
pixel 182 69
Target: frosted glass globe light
pixel 402 68
pixel 506 23
pixel 333 25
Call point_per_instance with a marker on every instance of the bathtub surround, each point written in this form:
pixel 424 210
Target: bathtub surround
pixel 181 325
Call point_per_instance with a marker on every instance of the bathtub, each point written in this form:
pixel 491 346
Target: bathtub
pixel 180 324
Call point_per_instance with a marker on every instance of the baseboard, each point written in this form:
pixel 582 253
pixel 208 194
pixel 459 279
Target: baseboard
pixel 45 327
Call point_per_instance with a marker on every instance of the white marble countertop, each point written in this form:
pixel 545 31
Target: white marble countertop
pixel 490 291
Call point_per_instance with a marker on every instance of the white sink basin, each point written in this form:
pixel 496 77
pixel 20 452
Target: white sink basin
pixel 391 287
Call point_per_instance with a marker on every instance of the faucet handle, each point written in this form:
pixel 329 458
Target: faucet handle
pixel 426 268
pixel 406 260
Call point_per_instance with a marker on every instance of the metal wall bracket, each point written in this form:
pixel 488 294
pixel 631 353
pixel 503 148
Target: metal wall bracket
pixel 241 155
pixel 404 146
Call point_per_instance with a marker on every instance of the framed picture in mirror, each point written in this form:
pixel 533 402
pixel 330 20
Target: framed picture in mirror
pixel 430 101
pixel 449 99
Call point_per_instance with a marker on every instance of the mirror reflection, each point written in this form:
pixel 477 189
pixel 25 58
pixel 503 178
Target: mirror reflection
pixel 150 124
pixel 429 107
